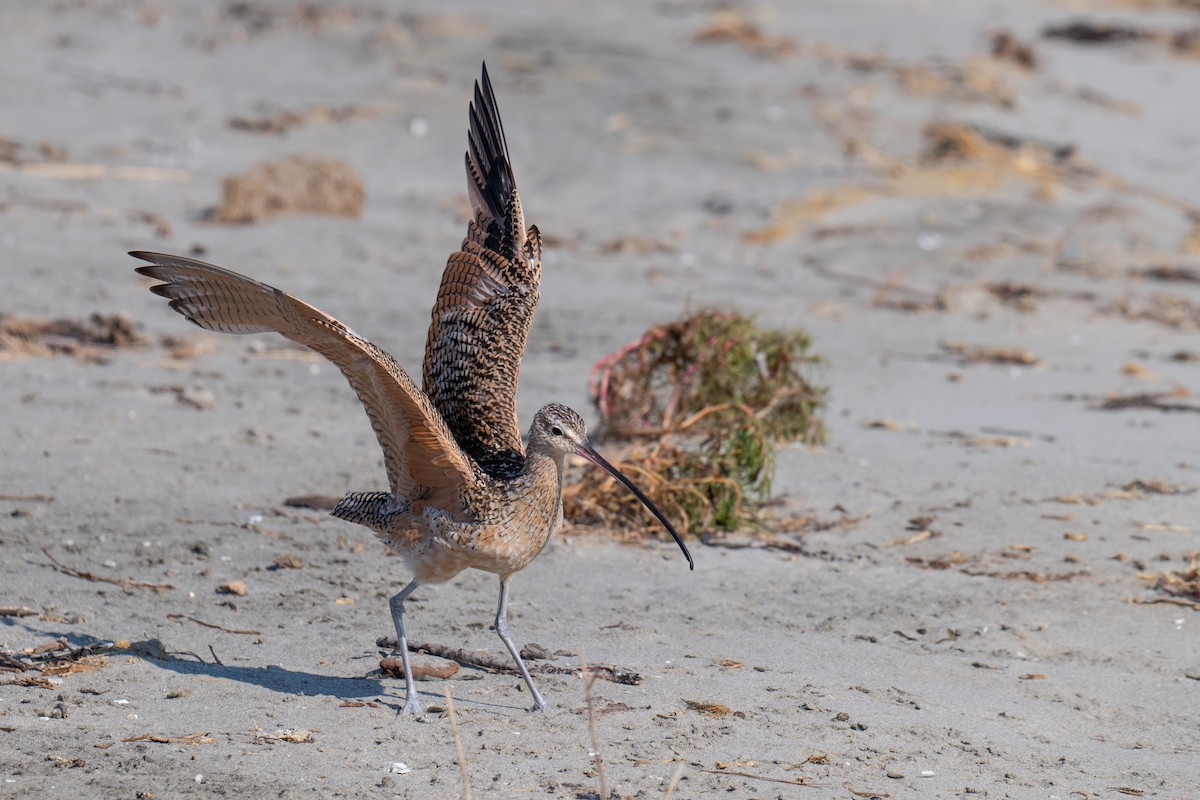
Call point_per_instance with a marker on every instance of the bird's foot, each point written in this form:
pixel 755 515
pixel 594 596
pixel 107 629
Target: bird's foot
pixel 540 705
pixel 412 707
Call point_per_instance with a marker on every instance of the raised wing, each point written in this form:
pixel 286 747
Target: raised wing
pixel 486 303
pixel 420 454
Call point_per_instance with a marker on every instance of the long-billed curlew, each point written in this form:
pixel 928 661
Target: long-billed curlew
pixel 464 492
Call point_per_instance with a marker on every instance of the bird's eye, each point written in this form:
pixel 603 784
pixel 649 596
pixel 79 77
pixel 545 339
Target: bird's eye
pixel 556 431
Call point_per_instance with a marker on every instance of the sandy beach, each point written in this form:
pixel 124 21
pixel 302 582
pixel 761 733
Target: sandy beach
pixel 987 216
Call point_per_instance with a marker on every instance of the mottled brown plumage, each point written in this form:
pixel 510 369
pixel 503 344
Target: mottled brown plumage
pixel 463 491
pixel 486 303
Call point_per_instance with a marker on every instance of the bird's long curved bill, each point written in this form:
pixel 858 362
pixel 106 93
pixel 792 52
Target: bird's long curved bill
pixel 588 452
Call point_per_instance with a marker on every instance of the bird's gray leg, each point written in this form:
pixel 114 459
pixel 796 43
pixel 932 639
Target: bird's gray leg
pixel 412 704
pixel 502 631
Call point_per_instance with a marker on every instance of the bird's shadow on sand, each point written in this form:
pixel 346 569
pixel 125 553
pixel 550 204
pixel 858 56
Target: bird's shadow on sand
pixel 271 676
pixel 287 681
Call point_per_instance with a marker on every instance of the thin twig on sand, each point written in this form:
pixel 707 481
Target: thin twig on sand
pixel 177 617
pixel 485 660
pixel 125 583
pixel 752 776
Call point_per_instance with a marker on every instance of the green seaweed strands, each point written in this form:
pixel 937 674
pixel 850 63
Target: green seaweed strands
pixel 707 359
pixel 700 404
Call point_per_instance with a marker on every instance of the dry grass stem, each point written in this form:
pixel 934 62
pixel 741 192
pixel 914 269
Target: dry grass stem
pixel 674 782
pixel 597 758
pixel 458 747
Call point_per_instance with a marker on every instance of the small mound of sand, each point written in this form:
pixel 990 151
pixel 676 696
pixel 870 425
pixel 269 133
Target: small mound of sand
pixel 86 339
pixel 296 184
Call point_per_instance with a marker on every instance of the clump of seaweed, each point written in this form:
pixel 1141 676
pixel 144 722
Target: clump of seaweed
pixel 1182 583
pixel 711 358
pixel 696 407
pixel 699 479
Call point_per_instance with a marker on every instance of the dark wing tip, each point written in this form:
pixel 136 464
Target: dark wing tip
pixel 485 119
pixel 151 270
pixel 488 148
pixel 158 260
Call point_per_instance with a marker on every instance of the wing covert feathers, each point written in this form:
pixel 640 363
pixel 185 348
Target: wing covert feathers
pixel 420 453
pixel 486 303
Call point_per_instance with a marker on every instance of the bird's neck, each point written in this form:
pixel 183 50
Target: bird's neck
pixel 541 465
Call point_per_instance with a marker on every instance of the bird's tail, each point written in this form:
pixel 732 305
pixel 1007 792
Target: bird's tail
pixel 371 509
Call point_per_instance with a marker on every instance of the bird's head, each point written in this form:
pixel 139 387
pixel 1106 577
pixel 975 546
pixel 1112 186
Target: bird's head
pixel 558 431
